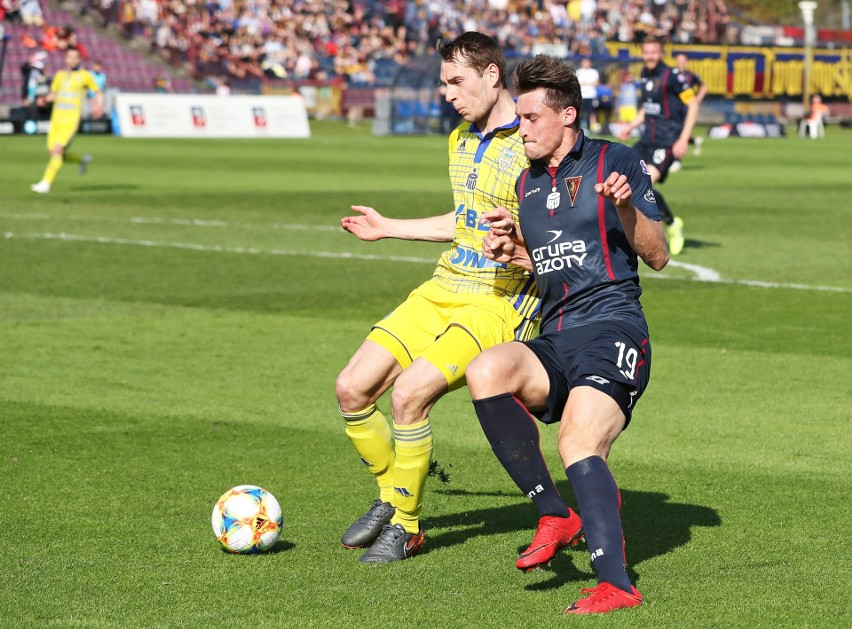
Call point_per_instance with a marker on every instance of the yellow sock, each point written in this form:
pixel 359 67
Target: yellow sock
pixel 370 434
pixel 52 169
pixel 413 455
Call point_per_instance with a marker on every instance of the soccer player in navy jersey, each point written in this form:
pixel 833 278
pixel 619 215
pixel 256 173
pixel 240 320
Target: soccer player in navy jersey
pixel 669 111
pixel 587 213
pixel 694 81
pixel 423 347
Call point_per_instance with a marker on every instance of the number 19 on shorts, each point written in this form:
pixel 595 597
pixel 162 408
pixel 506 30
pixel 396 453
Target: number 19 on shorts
pixel 627 359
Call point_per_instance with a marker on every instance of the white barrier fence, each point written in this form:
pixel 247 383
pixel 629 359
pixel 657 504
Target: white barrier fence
pixel 208 116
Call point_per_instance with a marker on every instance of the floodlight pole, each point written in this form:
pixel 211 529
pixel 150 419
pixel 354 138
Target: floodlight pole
pixel 807 9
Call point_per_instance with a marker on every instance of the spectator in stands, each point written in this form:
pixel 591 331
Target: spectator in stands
pixel 627 102
pixel 261 40
pixel 32 75
pixel 606 105
pixel 31 14
pixel 98 74
pixel 589 79
pixel 66 39
pixel 162 84
pixel 11 10
pixel 814 123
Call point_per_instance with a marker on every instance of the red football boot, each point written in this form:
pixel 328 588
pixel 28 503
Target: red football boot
pixel 552 534
pixel 604 597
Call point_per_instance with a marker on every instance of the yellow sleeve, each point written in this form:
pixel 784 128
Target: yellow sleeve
pixel 57 81
pixel 454 136
pixel 687 96
pixel 90 83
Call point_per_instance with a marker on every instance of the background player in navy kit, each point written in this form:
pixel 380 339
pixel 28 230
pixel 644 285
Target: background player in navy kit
pixel 669 111
pixel 694 81
pixel 587 210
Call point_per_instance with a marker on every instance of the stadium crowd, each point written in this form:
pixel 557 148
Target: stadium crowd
pixel 361 41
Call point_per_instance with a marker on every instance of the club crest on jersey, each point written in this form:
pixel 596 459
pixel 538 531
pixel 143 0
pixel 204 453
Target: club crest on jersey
pixel 505 160
pixel 649 196
pixel 573 184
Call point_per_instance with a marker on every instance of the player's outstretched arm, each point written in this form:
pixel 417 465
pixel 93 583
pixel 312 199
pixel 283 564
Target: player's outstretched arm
pixel 369 224
pixel 97 105
pixel 682 144
pixel 644 235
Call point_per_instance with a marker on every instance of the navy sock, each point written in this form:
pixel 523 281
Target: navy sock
pixel 598 497
pixel 665 210
pixel 515 440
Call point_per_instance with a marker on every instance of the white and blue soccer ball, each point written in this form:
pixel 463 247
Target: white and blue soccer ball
pixel 247 519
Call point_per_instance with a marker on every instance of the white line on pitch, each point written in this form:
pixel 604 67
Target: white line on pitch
pixel 701 274
pixel 156 220
pixel 216 248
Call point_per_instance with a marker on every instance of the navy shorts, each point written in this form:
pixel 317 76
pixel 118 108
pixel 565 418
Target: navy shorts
pixel 660 157
pixel 611 356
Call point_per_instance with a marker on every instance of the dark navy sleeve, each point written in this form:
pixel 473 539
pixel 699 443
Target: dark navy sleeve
pixel 626 161
pixel 682 86
pixel 696 81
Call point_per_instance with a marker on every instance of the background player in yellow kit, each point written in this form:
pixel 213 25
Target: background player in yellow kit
pixel 67 91
pixel 424 346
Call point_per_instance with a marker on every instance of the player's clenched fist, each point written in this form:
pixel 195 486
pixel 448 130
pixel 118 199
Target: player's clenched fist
pixel 616 189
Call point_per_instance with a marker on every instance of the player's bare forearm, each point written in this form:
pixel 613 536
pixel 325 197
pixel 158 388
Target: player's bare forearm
pixel 689 123
pixel 432 229
pixel 645 236
pixel 369 224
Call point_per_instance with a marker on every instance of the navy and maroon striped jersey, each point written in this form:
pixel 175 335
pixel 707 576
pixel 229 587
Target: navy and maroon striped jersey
pixel 583 265
pixel 664 95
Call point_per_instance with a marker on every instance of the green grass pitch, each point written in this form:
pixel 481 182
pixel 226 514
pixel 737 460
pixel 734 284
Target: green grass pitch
pixel 171 325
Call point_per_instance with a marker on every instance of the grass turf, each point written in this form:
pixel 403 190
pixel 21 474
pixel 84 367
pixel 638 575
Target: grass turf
pixel 172 324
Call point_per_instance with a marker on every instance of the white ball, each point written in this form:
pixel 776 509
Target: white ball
pixel 247 519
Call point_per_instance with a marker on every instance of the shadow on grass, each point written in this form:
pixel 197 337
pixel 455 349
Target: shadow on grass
pixel 280 546
pixel 653 526
pixel 692 243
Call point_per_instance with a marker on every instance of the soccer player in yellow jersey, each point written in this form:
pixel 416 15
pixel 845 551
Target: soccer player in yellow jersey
pixel 423 347
pixel 67 91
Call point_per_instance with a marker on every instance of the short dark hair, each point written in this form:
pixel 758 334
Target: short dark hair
pixel 475 50
pixel 558 78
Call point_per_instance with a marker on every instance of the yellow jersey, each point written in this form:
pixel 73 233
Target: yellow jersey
pixel 69 89
pixel 484 170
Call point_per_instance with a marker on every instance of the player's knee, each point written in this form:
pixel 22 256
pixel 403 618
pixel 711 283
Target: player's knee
pixel 482 373
pixel 408 403
pixel 349 396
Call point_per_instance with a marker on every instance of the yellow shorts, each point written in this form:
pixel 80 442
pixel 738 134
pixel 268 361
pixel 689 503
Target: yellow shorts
pixel 61 134
pixel 626 113
pixel 448 329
